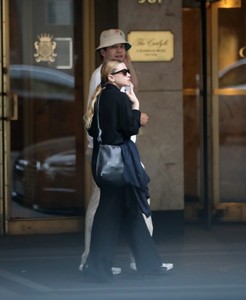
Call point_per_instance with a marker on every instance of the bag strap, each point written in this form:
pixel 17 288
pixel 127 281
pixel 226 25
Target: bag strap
pixel 99 138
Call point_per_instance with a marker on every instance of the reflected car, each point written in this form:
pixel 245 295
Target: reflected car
pixel 234 75
pixel 41 83
pixel 232 104
pixel 44 177
pixel 232 108
pixel 44 174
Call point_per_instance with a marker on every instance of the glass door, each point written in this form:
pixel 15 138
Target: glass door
pixel 229 109
pixel 226 95
pixel 45 72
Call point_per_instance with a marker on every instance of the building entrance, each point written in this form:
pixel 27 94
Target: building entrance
pixel 226 100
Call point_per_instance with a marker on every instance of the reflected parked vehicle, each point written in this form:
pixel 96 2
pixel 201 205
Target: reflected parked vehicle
pixel 234 75
pixel 41 83
pixel 232 122
pixel 44 177
pixel 44 173
pixel 232 103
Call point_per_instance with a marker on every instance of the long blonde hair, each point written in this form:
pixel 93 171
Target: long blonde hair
pixel 107 68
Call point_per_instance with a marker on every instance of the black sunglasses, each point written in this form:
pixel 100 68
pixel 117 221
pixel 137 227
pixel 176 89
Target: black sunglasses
pixel 123 71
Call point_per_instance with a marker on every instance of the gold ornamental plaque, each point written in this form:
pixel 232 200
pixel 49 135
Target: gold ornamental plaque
pixel 151 45
pixel 45 48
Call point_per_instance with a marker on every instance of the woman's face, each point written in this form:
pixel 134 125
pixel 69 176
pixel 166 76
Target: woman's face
pixel 121 76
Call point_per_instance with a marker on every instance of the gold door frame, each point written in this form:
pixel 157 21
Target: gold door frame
pixel 5 124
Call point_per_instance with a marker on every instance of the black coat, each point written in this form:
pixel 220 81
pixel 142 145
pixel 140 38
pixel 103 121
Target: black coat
pixel 118 120
pixel 135 176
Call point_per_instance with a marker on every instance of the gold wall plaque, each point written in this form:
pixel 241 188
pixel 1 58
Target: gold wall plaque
pixel 151 45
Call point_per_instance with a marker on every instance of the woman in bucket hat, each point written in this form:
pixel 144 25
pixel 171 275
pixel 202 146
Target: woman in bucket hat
pixel 113 45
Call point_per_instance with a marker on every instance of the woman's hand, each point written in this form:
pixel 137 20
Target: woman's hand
pixel 144 118
pixel 131 94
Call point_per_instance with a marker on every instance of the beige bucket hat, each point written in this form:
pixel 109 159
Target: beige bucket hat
pixel 112 37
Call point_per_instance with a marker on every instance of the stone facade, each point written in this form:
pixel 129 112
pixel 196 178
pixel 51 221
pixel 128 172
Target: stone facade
pixel 161 96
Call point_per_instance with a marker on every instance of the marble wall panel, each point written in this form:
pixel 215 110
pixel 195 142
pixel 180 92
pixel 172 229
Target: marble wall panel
pixel 161 95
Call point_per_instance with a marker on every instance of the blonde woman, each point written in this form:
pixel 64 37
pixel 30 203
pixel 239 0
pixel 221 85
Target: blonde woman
pixel 119 117
pixel 113 45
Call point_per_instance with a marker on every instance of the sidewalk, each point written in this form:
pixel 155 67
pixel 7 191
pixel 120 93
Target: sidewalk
pixel 208 265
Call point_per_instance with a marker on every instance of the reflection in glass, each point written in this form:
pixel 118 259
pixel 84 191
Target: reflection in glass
pixel 46 178
pixel 232 106
pixel 191 105
pixel 232 148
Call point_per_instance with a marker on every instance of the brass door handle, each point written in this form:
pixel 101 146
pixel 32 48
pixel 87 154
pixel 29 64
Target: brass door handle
pixel 13 106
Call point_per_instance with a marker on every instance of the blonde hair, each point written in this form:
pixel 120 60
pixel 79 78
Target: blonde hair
pixel 107 68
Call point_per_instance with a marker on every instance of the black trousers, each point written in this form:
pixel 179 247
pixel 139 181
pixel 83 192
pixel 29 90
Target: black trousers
pixel 117 206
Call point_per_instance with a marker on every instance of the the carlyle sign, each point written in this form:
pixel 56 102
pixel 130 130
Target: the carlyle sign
pixel 151 45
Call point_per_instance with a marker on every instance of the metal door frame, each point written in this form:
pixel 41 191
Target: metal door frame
pixel 5 127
